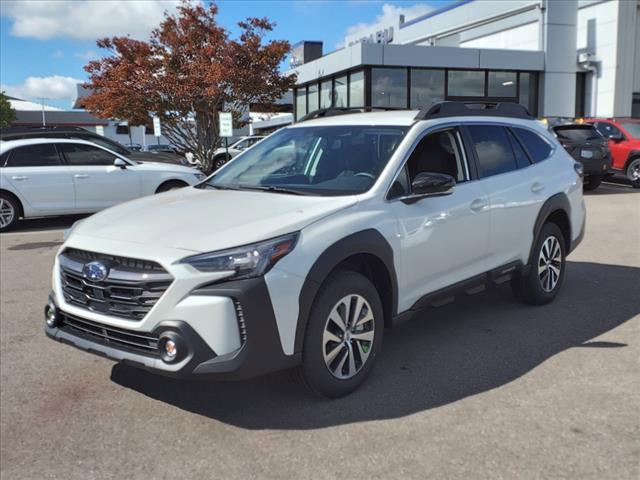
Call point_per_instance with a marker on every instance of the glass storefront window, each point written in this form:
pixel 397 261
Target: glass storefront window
pixel 465 83
pixel 301 102
pixel 340 92
pixel 356 89
pixel 503 84
pixel 312 95
pixel 326 94
pixel 389 87
pixel 427 86
pixel 528 93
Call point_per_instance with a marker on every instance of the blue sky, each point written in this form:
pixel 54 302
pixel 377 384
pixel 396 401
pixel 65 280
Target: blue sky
pixel 45 44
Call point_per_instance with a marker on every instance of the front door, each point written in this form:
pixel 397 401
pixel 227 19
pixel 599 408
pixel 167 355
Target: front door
pixel 443 239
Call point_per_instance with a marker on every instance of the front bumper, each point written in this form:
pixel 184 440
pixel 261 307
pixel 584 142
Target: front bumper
pixel 260 349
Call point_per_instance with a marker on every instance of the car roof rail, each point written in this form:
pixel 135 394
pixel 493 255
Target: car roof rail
pixel 329 112
pixel 474 108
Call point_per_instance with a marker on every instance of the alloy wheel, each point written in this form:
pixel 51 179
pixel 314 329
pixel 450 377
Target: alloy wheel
pixel 549 264
pixel 633 171
pixel 7 213
pixel 348 336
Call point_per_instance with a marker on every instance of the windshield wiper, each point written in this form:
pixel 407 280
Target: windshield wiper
pixel 271 188
pixel 217 187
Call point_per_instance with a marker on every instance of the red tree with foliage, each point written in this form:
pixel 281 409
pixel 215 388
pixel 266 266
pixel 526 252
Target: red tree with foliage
pixel 187 72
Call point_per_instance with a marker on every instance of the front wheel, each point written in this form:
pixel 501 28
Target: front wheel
pixel 344 335
pixel 220 160
pixel 543 282
pixel 633 172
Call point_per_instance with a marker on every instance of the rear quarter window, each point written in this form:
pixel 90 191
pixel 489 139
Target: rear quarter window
pixel 539 149
pixel 40 155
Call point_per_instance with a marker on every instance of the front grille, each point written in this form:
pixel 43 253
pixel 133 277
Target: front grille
pixel 137 342
pixel 131 288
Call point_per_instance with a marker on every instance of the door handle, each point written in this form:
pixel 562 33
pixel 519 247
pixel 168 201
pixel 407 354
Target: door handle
pixel 19 178
pixel 537 187
pixel 81 175
pixel 478 204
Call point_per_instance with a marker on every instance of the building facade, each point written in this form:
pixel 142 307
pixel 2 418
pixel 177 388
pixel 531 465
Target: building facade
pixel 559 58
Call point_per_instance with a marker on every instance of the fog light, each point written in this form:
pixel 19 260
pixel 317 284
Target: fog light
pixel 50 316
pixel 170 349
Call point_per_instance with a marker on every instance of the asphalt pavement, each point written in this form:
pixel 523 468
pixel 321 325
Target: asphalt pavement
pixel 485 388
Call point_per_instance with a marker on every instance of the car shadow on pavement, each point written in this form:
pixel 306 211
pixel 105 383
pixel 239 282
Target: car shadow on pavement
pixel 446 354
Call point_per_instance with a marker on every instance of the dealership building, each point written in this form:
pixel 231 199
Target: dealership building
pixel 559 58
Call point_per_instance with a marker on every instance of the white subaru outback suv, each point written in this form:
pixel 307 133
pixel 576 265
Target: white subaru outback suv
pixel 303 249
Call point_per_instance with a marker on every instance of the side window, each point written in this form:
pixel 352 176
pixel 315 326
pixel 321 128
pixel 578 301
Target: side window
pixel 79 154
pixel 438 152
pixel 3 159
pixel 607 130
pixel 538 148
pixel 43 155
pixel 241 145
pixel 103 142
pixel 495 154
pixel 522 159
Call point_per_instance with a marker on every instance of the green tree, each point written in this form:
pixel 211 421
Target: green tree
pixel 7 114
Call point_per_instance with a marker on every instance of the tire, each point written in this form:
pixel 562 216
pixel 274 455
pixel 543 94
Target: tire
pixel 592 182
pixel 538 287
pixel 220 160
pixel 10 211
pixel 170 185
pixel 633 172
pixel 328 349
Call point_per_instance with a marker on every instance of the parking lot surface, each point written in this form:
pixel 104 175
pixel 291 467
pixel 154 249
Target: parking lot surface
pixel 482 388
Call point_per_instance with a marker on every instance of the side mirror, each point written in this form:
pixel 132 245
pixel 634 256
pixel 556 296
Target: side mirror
pixel 428 184
pixel 616 137
pixel 118 162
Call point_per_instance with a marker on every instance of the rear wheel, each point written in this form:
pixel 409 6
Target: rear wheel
pixel 344 335
pixel 547 268
pixel 592 182
pixel 9 211
pixel 633 172
pixel 220 160
pixel 170 185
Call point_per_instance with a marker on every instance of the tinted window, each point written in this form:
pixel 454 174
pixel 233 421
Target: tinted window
pixel 44 155
pixel 389 87
pixel 356 89
pixel 103 142
pixel 340 92
pixel 522 160
pixel 538 148
pixel 633 128
pixel 494 151
pixel 77 154
pixel 607 130
pixel 503 84
pixel 577 134
pixel 427 86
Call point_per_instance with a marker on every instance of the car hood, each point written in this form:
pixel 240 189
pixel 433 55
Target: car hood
pixel 203 220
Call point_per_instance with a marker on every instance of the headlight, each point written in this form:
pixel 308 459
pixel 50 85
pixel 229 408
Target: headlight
pixel 247 261
pixel 200 176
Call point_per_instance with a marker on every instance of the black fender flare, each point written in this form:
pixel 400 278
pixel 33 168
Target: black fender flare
pixel 368 241
pixel 559 201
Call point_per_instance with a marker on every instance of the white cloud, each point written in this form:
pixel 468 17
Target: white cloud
pixel 86 56
pixel 58 54
pixel 54 87
pixel 387 18
pixel 85 19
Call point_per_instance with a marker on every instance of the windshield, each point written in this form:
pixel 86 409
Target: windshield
pixel 578 133
pixel 633 128
pixel 334 160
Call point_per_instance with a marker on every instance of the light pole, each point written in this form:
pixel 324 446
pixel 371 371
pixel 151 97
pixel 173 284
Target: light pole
pixel 44 121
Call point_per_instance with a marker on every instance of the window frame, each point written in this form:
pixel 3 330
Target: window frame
pixel 469 168
pixel 99 147
pixel 552 147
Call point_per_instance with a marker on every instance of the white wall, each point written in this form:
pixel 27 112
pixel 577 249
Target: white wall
pixel 523 37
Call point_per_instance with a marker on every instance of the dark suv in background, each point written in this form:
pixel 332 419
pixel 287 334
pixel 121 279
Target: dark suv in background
pixel 18 133
pixel 587 146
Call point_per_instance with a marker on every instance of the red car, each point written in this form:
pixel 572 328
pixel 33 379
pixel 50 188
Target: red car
pixel 624 145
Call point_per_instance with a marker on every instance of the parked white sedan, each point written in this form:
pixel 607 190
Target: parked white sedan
pixel 48 176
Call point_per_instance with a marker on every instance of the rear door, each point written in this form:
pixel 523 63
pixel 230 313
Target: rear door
pixel 515 188
pixel 39 176
pixel 98 182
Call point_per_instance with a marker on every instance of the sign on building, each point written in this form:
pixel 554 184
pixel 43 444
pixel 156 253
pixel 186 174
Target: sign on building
pixel 226 124
pixel 100 130
pixel 156 127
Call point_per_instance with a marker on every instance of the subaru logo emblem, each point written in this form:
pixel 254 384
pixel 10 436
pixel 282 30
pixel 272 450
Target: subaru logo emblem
pixel 95 271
